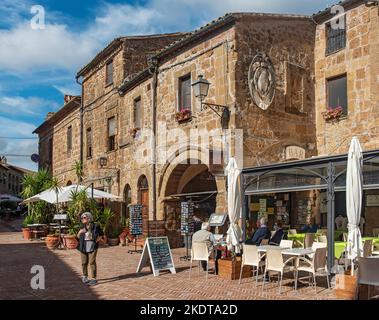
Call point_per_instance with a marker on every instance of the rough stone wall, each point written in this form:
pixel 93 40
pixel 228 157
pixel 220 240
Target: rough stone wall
pixel 360 61
pixel 214 58
pixel 43 148
pixel 64 161
pixel 290 120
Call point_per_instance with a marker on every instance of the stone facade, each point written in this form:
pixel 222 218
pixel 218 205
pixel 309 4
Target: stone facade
pixel 360 62
pixel 11 177
pixel 159 169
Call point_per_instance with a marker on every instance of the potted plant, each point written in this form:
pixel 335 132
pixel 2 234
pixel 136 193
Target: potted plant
pixel 52 240
pixel 125 234
pixel 133 131
pixel 183 115
pixel 25 230
pixel 113 239
pixel 104 219
pixel 332 114
pixel 70 240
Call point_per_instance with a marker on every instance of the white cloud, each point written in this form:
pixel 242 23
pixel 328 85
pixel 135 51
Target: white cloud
pixel 12 128
pixel 73 89
pixel 31 106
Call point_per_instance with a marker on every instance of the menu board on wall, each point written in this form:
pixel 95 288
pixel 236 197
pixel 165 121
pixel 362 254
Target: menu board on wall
pixel 157 251
pixel 135 219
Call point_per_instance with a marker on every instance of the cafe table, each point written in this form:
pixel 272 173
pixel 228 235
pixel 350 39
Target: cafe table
pixel 340 246
pixel 35 229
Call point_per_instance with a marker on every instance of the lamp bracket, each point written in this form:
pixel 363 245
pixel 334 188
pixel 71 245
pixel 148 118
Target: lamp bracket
pixel 214 107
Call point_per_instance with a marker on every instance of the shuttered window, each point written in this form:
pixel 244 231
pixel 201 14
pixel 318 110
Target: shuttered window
pixel 112 133
pixel 137 113
pixel 109 73
pixel 89 143
pixel 69 139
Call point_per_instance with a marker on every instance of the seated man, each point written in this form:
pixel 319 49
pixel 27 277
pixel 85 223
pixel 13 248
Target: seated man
pixel 310 227
pixel 260 234
pixel 204 235
pixel 278 235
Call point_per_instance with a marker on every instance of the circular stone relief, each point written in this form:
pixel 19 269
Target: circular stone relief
pixel 261 80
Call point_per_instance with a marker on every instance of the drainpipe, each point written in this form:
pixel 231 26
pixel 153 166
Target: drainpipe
pixel 154 70
pixel 81 123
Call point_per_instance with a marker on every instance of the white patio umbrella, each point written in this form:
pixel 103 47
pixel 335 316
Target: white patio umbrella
pixel 354 190
pixel 234 204
pixel 65 194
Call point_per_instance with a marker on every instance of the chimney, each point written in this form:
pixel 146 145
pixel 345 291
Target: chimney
pixel 49 115
pixel 67 98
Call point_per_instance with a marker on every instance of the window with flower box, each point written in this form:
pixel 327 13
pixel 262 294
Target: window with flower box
pixel 337 93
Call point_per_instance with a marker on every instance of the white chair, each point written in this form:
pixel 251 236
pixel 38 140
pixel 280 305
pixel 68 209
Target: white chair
pixel 368 272
pixel 375 232
pixel 367 248
pixel 252 258
pixel 275 263
pixel 315 246
pixel 322 232
pixel 286 244
pixel 308 240
pixel 322 239
pixel 292 231
pixel 345 237
pixel 199 252
pixel 314 266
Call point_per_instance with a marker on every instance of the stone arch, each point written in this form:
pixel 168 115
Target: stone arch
pixel 69 183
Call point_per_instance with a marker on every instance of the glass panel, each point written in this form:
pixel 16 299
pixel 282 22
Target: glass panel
pixel 185 93
pixel 111 127
pixel 137 113
pixel 337 93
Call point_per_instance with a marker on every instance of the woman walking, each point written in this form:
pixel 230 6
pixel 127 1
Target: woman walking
pixel 89 236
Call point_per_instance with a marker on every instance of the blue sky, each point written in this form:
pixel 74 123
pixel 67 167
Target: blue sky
pixel 37 67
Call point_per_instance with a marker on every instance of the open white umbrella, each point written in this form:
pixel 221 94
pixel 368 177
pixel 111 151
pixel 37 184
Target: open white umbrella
pixel 234 204
pixel 65 194
pixel 354 190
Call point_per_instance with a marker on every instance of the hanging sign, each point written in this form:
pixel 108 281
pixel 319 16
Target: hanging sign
pixel 157 253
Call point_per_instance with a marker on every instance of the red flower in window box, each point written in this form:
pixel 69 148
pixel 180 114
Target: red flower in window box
pixel 332 114
pixel 133 131
pixel 183 115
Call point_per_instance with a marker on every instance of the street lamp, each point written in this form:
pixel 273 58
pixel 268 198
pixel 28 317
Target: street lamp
pixel 103 161
pixel 201 88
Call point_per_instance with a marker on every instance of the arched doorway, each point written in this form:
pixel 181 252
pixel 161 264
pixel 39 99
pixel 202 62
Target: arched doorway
pixel 69 183
pixel 127 199
pixel 186 182
pixel 143 199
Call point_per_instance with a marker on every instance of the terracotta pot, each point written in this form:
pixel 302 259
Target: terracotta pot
pixel 52 241
pixel 26 233
pixel 113 241
pixel 70 242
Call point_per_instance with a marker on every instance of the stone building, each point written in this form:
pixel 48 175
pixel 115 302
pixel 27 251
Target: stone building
pixel 11 177
pixel 146 137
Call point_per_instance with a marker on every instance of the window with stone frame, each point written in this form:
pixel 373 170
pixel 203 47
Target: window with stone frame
pixel 89 142
pixel 337 93
pixel 185 92
pixel 295 89
pixel 112 128
pixel 137 113
pixel 69 139
pixel 335 36
pixel 109 73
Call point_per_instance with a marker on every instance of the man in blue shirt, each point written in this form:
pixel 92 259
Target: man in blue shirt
pixel 262 233
pixel 310 227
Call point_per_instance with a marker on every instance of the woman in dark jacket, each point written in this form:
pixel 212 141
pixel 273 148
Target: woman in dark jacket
pixel 89 237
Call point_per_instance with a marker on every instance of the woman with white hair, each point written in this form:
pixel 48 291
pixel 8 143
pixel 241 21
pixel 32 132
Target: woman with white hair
pixel 89 237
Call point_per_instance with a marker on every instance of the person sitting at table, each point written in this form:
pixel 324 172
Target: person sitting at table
pixel 262 233
pixel 204 235
pixel 278 235
pixel 310 227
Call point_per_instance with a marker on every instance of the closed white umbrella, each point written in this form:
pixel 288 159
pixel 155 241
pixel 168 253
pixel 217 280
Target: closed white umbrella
pixel 65 194
pixel 354 190
pixel 234 204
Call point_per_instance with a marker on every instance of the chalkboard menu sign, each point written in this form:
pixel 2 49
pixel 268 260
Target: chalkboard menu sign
pixel 187 224
pixel 135 219
pixel 158 251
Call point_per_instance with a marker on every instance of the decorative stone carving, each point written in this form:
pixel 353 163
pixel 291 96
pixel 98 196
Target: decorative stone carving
pixel 262 80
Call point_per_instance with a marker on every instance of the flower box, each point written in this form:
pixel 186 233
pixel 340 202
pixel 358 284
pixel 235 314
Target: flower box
pixel 332 114
pixel 183 115
pixel 230 269
pixel 133 132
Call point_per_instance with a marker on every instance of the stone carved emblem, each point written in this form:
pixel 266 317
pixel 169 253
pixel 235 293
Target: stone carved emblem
pixel 262 80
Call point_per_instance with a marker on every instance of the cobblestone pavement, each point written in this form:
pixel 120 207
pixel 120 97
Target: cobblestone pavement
pixel 118 278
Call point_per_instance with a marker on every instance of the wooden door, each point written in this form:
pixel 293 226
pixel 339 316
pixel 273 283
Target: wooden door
pixel 145 210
